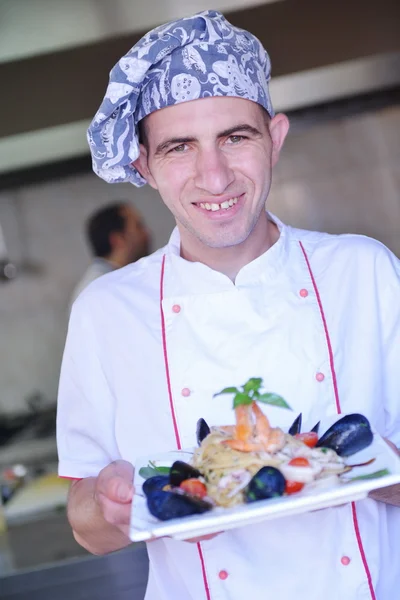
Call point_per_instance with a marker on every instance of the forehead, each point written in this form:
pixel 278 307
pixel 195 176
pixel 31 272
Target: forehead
pixel 203 116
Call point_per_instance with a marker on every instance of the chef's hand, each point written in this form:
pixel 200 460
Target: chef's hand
pixel 390 494
pixel 114 492
pixel 203 538
pixel 393 446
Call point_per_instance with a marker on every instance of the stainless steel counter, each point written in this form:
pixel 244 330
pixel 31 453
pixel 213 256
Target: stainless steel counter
pixel 119 576
pixel 49 564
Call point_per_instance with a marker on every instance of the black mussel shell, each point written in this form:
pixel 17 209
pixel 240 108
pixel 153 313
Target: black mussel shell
pixel 168 505
pixel 155 483
pixel 202 430
pixel 268 482
pixel 347 436
pixel 316 427
pixel 296 426
pixel 180 471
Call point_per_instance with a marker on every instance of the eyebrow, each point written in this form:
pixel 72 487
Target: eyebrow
pixel 244 127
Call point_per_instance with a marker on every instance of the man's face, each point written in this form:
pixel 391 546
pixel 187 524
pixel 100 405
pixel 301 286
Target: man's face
pixel 211 161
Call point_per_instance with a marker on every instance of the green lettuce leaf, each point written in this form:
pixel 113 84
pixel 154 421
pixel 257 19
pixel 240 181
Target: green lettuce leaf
pixel 374 475
pixel 152 470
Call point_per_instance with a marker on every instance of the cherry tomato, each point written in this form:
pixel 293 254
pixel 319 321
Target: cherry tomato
pixel 310 438
pixel 300 461
pixel 292 487
pixel 194 487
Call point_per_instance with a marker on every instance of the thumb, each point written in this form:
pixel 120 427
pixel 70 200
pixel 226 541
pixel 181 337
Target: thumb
pixel 115 482
pixel 123 491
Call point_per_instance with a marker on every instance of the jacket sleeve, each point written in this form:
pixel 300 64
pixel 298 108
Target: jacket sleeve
pixel 390 288
pixel 86 406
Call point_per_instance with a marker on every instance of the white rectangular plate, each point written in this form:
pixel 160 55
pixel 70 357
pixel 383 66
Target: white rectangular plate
pixel 146 527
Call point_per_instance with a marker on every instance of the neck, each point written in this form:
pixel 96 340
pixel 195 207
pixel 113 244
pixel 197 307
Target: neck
pixel 114 260
pixel 230 260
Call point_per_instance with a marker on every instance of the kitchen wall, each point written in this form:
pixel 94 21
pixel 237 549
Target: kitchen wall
pixel 44 224
pixel 339 176
pixel 343 176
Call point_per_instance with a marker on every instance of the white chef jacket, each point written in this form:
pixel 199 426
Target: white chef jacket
pixel 317 317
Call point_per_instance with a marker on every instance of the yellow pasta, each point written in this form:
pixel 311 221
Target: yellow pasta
pixel 216 461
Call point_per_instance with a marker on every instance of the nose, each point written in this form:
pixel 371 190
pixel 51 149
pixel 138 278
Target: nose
pixel 213 173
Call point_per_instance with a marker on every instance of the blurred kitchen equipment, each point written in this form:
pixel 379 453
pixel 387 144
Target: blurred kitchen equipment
pixel 24 265
pixel 10 426
pixel 6 563
pixel 11 480
pixel 43 494
pixel 38 422
pixel 8 270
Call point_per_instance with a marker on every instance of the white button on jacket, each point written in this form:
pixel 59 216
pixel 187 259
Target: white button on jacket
pixel 150 344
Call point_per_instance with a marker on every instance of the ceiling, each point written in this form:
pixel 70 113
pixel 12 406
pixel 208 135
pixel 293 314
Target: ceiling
pixel 57 25
pixel 55 57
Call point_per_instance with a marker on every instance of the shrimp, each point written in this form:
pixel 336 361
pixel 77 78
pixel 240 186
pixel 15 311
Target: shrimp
pixel 254 437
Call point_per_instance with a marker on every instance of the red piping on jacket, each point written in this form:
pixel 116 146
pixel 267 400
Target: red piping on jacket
pixel 171 403
pixel 338 408
pixel 362 552
pixel 164 340
pixel 328 341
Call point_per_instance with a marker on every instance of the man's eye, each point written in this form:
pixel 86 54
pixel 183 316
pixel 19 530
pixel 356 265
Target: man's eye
pixel 180 148
pixel 235 139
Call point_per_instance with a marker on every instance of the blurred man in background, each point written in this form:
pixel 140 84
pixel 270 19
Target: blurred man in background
pixel 117 236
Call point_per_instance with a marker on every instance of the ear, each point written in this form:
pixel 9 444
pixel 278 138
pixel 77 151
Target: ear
pixel 141 164
pixel 116 240
pixel 278 128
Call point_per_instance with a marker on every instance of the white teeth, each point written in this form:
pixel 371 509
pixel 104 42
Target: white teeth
pixel 213 206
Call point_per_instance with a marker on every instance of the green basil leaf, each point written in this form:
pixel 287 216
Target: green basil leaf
pixel 273 400
pixel 253 384
pixel 375 475
pixel 241 398
pixel 163 470
pixel 152 470
pixel 228 390
pixel 160 469
pixel 147 472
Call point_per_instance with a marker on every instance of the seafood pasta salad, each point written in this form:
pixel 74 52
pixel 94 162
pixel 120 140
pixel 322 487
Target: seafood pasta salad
pixel 251 460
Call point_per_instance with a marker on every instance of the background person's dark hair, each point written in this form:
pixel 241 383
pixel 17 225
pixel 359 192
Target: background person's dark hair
pixel 101 225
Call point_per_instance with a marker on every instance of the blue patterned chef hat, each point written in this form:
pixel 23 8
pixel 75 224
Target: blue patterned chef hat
pixel 194 57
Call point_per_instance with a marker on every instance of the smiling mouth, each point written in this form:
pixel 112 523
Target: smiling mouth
pixel 226 205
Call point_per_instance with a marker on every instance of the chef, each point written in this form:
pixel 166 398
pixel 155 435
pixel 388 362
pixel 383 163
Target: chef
pixel 117 236
pixel 234 294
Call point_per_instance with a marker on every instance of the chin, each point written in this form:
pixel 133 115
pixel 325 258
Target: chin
pixel 224 242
